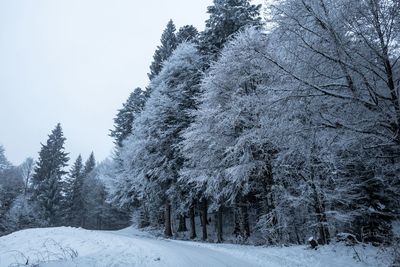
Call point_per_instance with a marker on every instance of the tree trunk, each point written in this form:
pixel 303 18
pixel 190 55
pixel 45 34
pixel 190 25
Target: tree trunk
pixel 296 231
pixel 267 199
pixel 83 221
pixel 236 229
pixel 182 223
pixel 244 221
pixel 168 229
pixel 192 223
pixel 100 226
pixel 219 225
pixel 318 199
pixel 204 219
pixel 143 217
pixel 319 206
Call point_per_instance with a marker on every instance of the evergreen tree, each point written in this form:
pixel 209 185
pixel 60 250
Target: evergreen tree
pixel 164 50
pixel 90 164
pixel 151 156
pixel 90 199
pixel 125 116
pixel 187 33
pixel 99 212
pixel 48 174
pixel 76 177
pixel 366 196
pixel 226 18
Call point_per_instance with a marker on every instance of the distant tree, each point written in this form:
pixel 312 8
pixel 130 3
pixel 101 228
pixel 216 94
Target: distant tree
pixel 27 171
pixel 76 203
pixel 22 214
pixel 4 163
pixel 49 171
pixel 125 116
pixel 87 170
pixel 164 50
pixel 90 164
pixel 15 211
pixel 100 212
pixel 11 186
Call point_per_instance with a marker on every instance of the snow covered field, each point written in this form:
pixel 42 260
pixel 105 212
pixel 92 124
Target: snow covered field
pixel 66 246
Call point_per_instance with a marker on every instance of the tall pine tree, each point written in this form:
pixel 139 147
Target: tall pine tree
pixel 90 164
pixel 164 50
pixel 187 33
pixel 150 156
pixel 76 208
pixel 125 116
pixel 226 18
pixel 48 173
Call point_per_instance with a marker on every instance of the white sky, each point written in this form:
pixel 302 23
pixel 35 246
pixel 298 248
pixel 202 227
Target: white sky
pixel 75 62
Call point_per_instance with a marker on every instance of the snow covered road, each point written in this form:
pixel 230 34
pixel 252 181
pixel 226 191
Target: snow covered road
pixel 66 246
pixel 106 248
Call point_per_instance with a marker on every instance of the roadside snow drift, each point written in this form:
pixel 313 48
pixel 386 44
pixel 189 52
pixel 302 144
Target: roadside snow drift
pixel 66 246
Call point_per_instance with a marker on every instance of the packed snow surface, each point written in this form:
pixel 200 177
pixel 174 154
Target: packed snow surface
pixel 67 246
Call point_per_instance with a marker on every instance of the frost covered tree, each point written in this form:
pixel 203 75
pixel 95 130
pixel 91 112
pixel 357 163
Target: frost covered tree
pixel 302 174
pixel 367 197
pixel 164 50
pixel 125 116
pixel 4 163
pixel 341 57
pixel 49 170
pixel 11 186
pixel 21 215
pixel 151 156
pixel 355 48
pixel 27 171
pixel 226 18
pixel 227 154
pixel 15 210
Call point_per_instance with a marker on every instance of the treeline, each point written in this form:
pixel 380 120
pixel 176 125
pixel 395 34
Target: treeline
pixel 282 128
pixel 43 194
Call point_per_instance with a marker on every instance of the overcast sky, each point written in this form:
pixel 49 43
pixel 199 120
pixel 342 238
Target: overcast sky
pixel 75 62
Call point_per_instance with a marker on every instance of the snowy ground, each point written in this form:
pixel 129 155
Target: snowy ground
pixel 66 246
